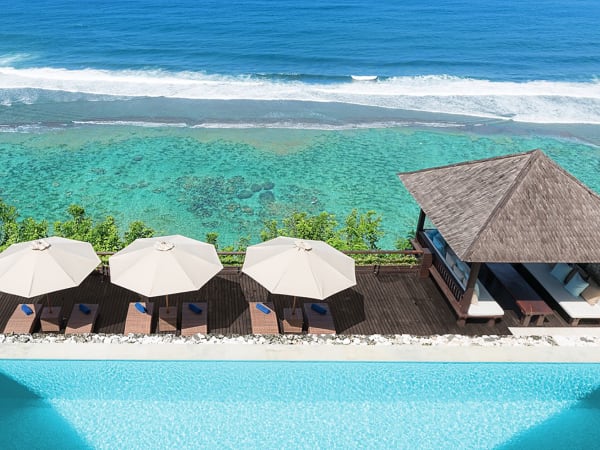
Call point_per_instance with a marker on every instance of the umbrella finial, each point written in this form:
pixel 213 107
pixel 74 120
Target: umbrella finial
pixel 164 246
pixel 40 245
pixel 302 245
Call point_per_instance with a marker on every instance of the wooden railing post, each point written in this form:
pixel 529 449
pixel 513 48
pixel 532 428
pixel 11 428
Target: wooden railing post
pixel 426 262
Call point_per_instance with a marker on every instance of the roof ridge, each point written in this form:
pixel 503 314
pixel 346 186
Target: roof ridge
pixel 518 180
pixel 465 163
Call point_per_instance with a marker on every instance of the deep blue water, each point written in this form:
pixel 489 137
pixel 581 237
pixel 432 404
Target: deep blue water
pixel 535 61
pixel 501 41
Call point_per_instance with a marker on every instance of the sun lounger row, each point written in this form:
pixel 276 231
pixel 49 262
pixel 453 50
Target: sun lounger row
pixel 317 319
pixel 26 318
pixel 193 319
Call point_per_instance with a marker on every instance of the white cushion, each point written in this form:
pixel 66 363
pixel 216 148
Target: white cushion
pixel 591 294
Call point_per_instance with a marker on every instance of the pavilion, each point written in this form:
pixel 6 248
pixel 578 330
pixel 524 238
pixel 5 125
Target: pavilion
pixel 520 208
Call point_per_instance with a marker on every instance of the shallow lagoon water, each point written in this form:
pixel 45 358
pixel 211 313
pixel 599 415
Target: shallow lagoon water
pixel 196 180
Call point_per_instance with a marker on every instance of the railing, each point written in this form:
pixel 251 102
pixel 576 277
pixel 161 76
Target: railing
pixel 449 278
pixel 235 259
pixel 440 265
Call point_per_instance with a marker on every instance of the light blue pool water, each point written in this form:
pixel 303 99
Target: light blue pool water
pixel 141 404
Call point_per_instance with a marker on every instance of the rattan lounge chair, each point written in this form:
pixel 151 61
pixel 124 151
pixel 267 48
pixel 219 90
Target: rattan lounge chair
pixel 82 319
pixel 22 323
pixel 319 323
pixel 194 319
pixel 263 322
pixel 293 321
pixel 167 319
pixel 137 321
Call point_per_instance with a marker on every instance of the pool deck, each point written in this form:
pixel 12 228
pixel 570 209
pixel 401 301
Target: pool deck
pixel 315 352
pixel 384 304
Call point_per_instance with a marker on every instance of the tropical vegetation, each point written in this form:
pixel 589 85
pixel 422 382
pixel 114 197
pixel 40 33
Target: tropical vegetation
pixel 358 232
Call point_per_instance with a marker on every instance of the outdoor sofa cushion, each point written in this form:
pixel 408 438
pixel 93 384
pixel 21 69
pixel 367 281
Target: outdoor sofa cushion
pixel 591 294
pixel 576 285
pixel 318 308
pixel 263 308
pixel 195 308
pixel 560 271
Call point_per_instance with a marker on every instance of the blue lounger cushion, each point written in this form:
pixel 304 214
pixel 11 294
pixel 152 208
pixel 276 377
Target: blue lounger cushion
pixel 318 308
pixel 84 309
pixel 195 308
pixel 26 309
pixel 141 308
pixel 263 308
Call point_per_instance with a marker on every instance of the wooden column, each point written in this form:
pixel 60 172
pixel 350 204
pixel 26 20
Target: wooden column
pixel 426 263
pixel 465 300
pixel 421 222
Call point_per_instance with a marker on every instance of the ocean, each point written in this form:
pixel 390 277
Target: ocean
pixel 201 116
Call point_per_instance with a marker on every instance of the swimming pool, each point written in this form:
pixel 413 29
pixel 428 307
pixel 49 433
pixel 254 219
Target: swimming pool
pixel 199 404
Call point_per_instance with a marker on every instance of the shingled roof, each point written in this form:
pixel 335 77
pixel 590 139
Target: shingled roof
pixel 517 208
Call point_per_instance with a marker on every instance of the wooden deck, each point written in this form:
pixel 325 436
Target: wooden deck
pixel 385 303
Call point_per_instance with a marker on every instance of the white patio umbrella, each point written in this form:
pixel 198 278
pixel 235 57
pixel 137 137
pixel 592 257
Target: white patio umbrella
pixel 299 267
pixel 33 268
pixel 164 265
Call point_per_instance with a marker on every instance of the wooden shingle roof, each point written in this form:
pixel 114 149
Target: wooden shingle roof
pixel 517 208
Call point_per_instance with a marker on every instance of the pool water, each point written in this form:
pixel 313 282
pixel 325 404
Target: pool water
pixel 143 404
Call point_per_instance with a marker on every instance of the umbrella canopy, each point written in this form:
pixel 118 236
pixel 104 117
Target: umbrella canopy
pixel 33 268
pixel 164 265
pixel 302 268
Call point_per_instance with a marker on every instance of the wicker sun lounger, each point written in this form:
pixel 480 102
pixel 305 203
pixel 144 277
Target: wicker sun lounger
pixel 292 322
pixel 261 321
pixel 319 323
pixel 137 321
pixel 167 319
pixel 194 319
pixel 82 319
pixel 20 322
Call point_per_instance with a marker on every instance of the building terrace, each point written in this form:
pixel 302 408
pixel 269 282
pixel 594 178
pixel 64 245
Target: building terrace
pixel 393 301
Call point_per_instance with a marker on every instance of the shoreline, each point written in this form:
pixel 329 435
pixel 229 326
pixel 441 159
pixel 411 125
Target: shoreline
pixel 558 347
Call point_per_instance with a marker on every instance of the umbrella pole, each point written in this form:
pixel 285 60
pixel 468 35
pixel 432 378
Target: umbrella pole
pixel 48 300
pixel 167 296
pixel 294 307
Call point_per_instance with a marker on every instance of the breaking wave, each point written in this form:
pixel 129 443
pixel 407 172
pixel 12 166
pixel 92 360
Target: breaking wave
pixel 533 101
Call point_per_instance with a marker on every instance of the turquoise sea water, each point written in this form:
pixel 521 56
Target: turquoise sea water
pixel 192 181
pixel 168 111
pixel 129 404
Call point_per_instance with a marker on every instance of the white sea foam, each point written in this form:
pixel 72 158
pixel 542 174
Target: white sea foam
pixel 274 125
pixel 10 59
pixel 534 101
pixel 130 123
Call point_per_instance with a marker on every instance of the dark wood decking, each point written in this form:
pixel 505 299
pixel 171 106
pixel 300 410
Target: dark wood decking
pixel 384 303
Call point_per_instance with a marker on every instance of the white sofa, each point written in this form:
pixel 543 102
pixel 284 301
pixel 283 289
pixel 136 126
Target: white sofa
pixel 486 305
pixel 575 307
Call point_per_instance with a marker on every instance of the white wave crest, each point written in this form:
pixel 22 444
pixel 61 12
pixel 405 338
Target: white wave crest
pixel 533 101
pixel 10 59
